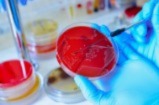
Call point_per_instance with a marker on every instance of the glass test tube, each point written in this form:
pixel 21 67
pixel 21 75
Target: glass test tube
pixel 15 23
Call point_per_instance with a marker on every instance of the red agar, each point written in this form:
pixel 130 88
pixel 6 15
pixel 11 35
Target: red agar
pixel 86 51
pixel 11 73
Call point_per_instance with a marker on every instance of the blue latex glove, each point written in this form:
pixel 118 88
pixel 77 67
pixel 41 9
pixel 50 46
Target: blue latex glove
pixel 145 38
pixel 3 6
pixel 136 82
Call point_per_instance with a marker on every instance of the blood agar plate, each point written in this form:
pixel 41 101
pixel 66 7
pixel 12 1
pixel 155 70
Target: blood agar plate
pixel 84 50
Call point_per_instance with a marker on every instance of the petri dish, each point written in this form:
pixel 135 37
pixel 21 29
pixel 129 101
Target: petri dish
pixel 14 88
pixel 84 50
pixel 122 3
pixel 61 87
pixel 41 36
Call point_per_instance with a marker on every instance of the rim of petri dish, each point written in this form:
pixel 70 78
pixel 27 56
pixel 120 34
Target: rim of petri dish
pixel 29 98
pixel 58 95
pixel 16 83
pixel 88 24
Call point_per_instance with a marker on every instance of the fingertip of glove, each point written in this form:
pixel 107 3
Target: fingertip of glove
pixel 95 26
pixel 105 30
pixel 78 79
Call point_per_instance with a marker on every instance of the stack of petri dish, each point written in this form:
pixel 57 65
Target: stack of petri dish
pixel 41 38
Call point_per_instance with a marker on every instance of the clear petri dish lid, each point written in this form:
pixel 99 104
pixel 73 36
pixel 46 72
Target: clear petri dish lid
pixel 61 87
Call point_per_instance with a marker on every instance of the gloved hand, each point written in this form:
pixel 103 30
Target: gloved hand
pixel 145 38
pixel 136 82
pixel 3 6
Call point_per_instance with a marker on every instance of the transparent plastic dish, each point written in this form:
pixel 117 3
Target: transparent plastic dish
pixel 82 49
pixel 14 88
pixel 61 87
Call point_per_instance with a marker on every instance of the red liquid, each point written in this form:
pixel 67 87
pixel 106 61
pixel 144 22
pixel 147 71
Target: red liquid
pixel 40 49
pixel 11 73
pixel 86 51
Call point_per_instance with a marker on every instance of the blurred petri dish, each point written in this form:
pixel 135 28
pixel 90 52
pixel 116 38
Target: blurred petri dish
pixel 61 87
pixel 82 49
pixel 14 88
pixel 122 3
pixel 41 36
